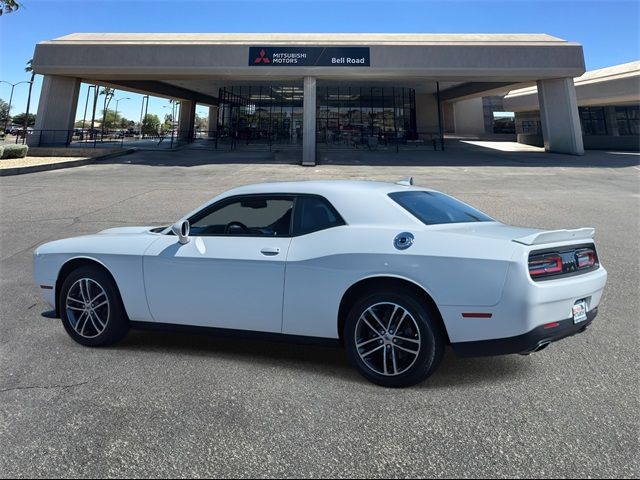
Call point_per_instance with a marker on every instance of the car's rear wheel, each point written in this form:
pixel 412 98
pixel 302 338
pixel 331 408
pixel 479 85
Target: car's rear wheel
pixel 393 338
pixel 91 308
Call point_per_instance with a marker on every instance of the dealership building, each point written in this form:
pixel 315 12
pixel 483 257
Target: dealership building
pixel 608 107
pixel 309 89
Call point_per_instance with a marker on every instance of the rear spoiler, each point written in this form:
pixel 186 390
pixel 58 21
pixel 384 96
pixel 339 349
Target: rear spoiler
pixel 552 236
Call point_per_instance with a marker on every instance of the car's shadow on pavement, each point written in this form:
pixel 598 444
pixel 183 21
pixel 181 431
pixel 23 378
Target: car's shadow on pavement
pixel 455 370
pixel 331 361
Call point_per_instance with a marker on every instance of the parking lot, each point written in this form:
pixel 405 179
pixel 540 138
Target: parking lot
pixel 178 405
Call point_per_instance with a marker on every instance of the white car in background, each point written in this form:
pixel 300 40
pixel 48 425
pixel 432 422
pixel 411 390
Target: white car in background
pixel 392 271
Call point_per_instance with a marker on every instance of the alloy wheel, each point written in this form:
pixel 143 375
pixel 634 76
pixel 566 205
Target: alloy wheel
pixel 87 307
pixel 387 339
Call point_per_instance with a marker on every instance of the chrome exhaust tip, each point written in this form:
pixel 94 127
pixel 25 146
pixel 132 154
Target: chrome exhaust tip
pixel 539 348
pixel 542 346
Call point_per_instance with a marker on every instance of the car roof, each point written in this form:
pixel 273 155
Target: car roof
pixel 324 188
pixel 358 201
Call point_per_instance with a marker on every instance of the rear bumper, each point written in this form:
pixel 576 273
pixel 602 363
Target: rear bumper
pixel 526 343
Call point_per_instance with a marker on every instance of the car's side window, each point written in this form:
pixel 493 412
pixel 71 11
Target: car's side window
pixel 313 213
pixel 256 216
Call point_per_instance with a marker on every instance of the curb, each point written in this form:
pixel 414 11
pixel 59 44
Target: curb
pixel 60 165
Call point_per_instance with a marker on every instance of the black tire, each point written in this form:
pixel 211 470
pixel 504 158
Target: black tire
pixel 428 333
pixel 116 324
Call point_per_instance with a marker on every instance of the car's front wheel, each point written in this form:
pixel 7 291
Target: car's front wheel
pixel 393 338
pixel 91 308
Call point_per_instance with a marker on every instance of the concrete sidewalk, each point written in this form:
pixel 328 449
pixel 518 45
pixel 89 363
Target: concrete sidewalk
pixel 456 154
pixel 31 164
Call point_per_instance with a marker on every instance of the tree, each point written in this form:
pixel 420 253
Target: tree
pixel 202 123
pixel 150 124
pixel 8 6
pixel 113 121
pixel 108 95
pixel 21 119
pixel 110 119
pixel 168 122
pixel 4 112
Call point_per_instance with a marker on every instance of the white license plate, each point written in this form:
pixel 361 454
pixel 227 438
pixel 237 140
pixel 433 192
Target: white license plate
pixel 580 311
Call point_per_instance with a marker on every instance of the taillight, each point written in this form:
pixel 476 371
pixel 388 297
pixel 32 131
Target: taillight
pixel 585 258
pixel 545 265
pixel 573 260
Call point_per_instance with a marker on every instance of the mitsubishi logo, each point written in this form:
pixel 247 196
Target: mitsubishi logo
pixel 262 58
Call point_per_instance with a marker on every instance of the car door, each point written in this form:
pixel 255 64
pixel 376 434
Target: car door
pixel 231 273
pixel 317 275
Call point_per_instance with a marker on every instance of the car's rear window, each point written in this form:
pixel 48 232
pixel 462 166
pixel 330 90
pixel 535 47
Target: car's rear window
pixel 433 208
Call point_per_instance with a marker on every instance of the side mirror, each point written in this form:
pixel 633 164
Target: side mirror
pixel 181 230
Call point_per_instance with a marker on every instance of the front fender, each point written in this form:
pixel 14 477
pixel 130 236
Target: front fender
pixel 120 255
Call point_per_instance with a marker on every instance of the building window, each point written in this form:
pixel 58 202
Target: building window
pixel 529 127
pixel 593 120
pixel 260 114
pixel 628 119
pixel 348 115
pixel 344 114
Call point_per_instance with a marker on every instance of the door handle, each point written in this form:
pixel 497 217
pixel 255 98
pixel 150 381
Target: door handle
pixel 270 252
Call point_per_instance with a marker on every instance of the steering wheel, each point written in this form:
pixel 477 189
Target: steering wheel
pixel 241 225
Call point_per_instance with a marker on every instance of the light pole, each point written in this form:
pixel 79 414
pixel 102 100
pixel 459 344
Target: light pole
pixel 144 99
pixel 13 85
pixel 173 117
pixel 93 115
pixel 86 104
pixel 116 118
pixel 165 120
pixel 202 117
pixel 172 105
pixel 124 98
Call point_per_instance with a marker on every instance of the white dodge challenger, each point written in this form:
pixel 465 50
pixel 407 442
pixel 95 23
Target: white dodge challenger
pixel 392 271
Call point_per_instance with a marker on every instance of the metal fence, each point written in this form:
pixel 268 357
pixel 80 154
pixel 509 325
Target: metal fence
pixel 387 141
pixel 97 139
pixel 230 141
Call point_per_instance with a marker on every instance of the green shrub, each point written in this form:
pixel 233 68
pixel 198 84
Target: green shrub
pixel 14 151
pixel 1 150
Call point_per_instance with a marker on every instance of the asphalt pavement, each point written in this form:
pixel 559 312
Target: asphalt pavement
pixel 162 404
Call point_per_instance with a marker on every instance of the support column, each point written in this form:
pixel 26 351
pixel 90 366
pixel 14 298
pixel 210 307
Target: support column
pixel 187 120
pixel 56 111
pixel 213 122
pixel 561 129
pixel 309 123
pixel 611 121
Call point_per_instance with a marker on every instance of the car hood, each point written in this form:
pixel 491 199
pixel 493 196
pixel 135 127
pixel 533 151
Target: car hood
pixel 125 230
pixel 118 241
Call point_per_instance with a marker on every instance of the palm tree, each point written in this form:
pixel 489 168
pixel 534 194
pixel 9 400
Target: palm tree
pixel 8 6
pixel 29 69
pixel 108 95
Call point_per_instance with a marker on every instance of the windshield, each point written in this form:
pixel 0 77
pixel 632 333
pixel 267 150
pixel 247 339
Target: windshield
pixel 433 208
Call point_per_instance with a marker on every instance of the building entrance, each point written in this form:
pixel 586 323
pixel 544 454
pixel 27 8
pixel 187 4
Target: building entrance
pixel 352 115
pixel 259 114
pixel 344 115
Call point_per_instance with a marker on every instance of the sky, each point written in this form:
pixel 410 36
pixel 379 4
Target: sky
pixel 607 29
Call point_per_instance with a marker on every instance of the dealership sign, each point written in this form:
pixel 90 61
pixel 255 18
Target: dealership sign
pixel 309 56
